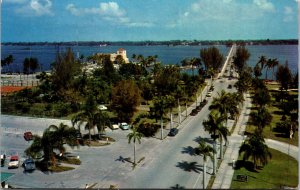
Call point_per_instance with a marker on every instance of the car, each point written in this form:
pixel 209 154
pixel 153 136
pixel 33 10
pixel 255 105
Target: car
pixel 194 112
pixel 114 126
pixel 102 107
pixel 29 164
pixel 3 157
pixel 78 134
pixel 209 94
pixel 230 86
pixel 14 162
pixel 173 132
pixel 124 126
pixel 28 136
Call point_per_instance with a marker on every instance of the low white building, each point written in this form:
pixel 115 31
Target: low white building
pixel 113 56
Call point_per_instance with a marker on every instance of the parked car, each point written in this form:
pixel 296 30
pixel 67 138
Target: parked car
pixel 173 132
pixel 102 107
pixel 28 136
pixel 194 112
pixel 114 126
pixel 29 164
pixel 209 94
pixel 3 157
pixel 124 126
pixel 230 86
pixel 14 162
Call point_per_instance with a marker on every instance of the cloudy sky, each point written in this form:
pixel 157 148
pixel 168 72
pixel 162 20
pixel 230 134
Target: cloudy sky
pixel 135 20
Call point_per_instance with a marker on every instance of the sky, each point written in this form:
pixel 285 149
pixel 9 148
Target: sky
pixel 139 20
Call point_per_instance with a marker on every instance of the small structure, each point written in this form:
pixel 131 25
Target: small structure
pixel 113 56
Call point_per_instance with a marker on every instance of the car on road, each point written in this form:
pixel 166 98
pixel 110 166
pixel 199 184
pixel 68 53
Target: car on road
pixel 194 112
pixel 209 94
pixel 29 164
pixel 14 162
pixel 28 136
pixel 124 126
pixel 230 86
pixel 173 132
pixel 114 126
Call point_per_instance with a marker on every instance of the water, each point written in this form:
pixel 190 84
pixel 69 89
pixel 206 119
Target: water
pixel 166 54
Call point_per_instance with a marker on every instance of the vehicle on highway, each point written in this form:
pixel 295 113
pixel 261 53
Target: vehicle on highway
pixel 173 132
pixel 124 126
pixel 194 112
pixel 29 164
pixel 28 136
pixel 14 162
pixel 3 157
pixel 102 107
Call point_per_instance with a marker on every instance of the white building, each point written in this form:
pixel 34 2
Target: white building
pixel 121 52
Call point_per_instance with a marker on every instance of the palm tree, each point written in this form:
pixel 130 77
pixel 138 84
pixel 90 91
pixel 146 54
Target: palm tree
pixel 268 65
pixel 262 61
pixel 261 118
pixel 275 63
pixel 89 114
pixel 53 138
pixel 64 135
pixel 135 136
pixel 214 125
pixel 256 149
pixel 205 151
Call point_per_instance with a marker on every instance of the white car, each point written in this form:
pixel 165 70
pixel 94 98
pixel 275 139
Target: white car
pixel 102 107
pixel 114 126
pixel 14 162
pixel 124 126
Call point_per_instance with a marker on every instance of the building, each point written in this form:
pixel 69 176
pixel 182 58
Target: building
pixel 121 52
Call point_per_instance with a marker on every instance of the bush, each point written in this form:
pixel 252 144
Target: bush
pixel 148 129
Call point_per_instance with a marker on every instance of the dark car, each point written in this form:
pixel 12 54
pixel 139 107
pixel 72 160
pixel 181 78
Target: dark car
pixel 173 132
pixel 198 108
pixel 28 136
pixel 230 86
pixel 29 164
pixel 194 112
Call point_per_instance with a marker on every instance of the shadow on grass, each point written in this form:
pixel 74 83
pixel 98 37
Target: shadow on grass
pixel 245 164
pixel 122 159
pixel 188 150
pixel 189 166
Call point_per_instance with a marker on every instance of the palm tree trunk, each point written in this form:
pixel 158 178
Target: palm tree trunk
pixel 186 110
pixel 221 148
pixel 162 127
pixel 171 118
pixel 134 153
pixel 266 74
pixel 215 159
pixel 204 174
pixel 90 136
pixel 179 111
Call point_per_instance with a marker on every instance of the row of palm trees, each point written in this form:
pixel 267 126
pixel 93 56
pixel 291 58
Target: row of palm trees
pixel 267 64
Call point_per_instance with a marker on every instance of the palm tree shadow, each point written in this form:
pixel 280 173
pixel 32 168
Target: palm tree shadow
pixel 192 166
pixel 188 150
pixel 122 159
pixel 177 186
pixel 245 164
pixel 206 139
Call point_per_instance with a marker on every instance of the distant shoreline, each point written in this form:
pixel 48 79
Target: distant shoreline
pixel 154 43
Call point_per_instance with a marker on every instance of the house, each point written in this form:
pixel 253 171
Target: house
pixel 113 56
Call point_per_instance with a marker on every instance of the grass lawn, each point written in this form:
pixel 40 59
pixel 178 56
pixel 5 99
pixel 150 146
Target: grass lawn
pixel 282 170
pixel 276 114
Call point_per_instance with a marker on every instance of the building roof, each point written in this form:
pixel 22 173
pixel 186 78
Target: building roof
pixel 121 49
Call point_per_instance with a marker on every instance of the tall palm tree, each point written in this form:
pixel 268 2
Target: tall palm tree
pixel 135 136
pixel 89 115
pixel 275 63
pixel 215 126
pixel 261 118
pixel 205 151
pixel 262 61
pixel 268 65
pixel 64 135
pixel 255 148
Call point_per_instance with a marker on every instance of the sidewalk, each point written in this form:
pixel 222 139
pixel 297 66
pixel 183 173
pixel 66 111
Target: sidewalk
pixel 225 171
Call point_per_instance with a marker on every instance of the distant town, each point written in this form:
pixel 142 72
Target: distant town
pixel 168 43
